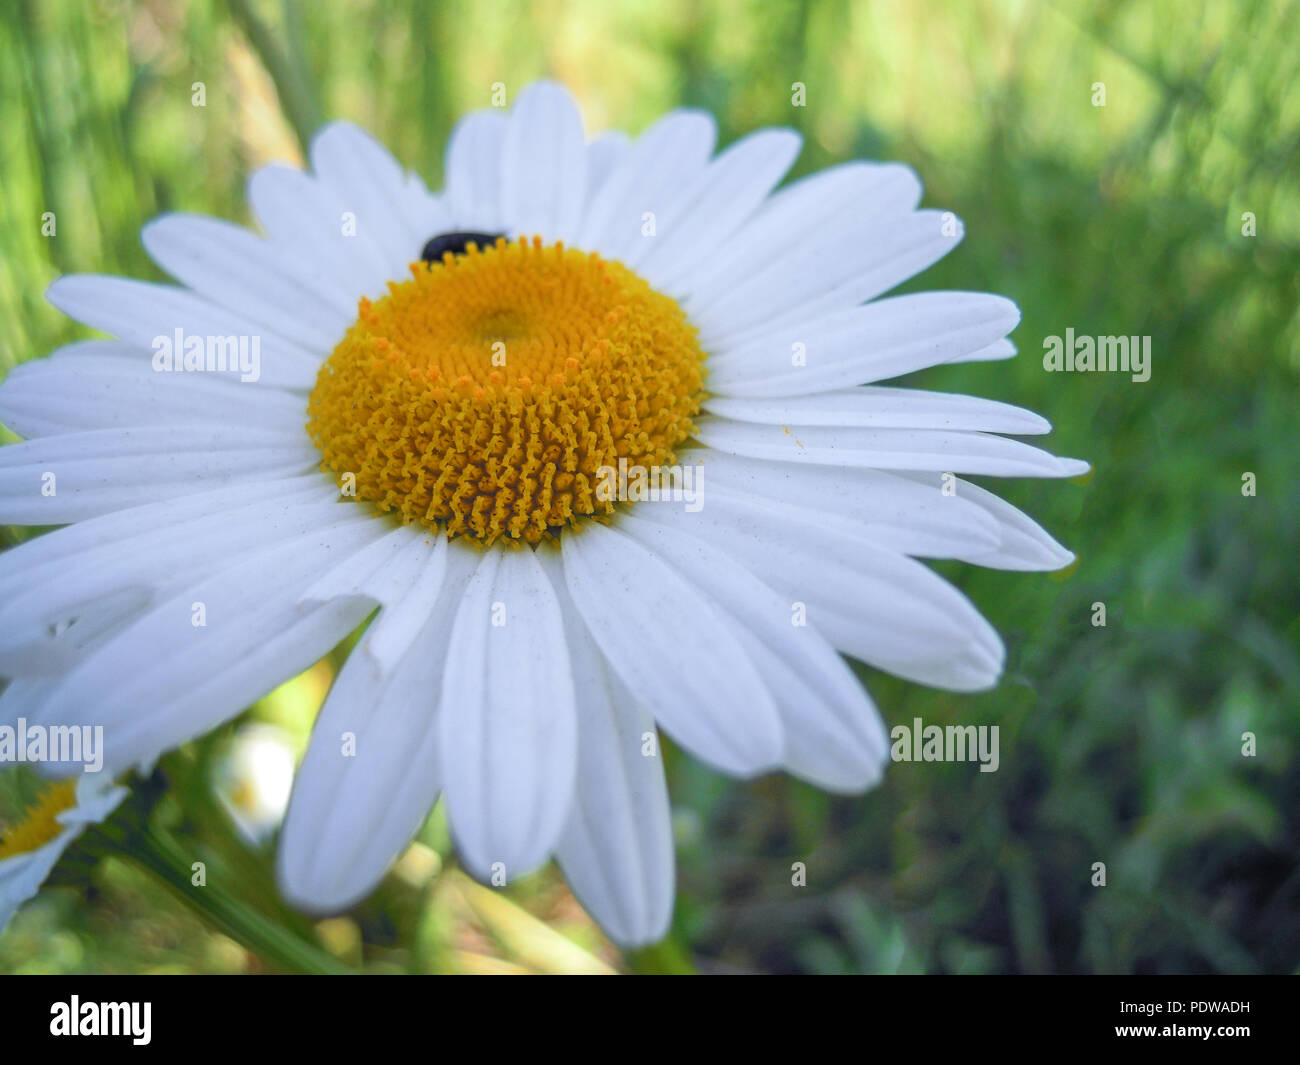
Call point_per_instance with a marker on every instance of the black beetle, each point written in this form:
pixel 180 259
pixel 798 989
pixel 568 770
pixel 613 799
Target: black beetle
pixel 455 243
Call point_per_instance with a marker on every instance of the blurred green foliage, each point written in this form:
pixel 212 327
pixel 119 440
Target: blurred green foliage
pixel 1120 744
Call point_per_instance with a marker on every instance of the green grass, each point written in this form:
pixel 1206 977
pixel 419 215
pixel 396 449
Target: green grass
pixel 1120 744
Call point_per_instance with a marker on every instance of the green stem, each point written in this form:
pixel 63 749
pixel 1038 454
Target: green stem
pixel 665 958
pixel 161 855
pixel 287 69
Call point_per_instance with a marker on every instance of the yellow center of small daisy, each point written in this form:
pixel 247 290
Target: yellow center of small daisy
pixel 39 824
pixel 484 395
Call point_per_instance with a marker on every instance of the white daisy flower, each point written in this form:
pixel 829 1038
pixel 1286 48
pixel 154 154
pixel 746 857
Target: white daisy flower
pixel 428 439
pixel 32 844
pixel 253 779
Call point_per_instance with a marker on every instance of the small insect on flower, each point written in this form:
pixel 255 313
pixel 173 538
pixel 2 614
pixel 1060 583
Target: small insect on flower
pixel 456 243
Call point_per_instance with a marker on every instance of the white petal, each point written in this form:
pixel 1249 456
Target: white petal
pixel 544 169
pixel 64 593
pixel 104 384
pixel 507 720
pixel 371 775
pixel 833 735
pixel 60 549
pixel 382 571
pixel 995 352
pixel 883 608
pixel 870 343
pixel 474 171
pixel 153 563
pixel 800 213
pixel 730 189
pixel 886 449
pixel 857 262
pixel 307 218
pixel 371 185
pixel 603 154
pixel 140 312
pixel 239 270
pixel 655 171
pixel 884 408
pixel 617 847
pixel 164 679
pixel 1023 543
pixel 426 213
pixel 673 650
pixel 22 875
pixel 407 585
pixel 889 509
pixel 97 797
pixel 103 470
pixel 39 651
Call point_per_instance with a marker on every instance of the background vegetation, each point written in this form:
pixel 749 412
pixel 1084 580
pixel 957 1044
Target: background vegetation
pixel 1120 744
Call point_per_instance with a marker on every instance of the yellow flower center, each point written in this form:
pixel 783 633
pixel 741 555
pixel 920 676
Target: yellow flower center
pixel 39 824
pixel 484 395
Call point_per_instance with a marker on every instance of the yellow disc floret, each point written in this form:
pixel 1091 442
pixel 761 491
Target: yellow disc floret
pixel 484 395
pixel 40 823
